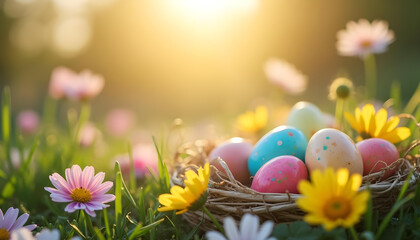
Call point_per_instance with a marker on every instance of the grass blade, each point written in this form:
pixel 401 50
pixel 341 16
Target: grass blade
pixel 369 214
pixel 118 197
pixel 106 221
pixel 391 213
pixel 133 185
pixel 141 208
pixel 140 230
pixel 6 123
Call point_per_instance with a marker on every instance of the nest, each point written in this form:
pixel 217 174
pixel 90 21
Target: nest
pixel 229 197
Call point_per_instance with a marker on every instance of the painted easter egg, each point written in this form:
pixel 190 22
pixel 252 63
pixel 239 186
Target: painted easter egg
pixel 306 117
pixel 376 154
pixel 280 175
pixel 331 148
pixel 235 152
pixel 283 140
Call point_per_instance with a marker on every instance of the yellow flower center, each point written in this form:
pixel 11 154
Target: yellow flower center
pixel 4 234
pixel 366 44
pixel 81 195
pixel 337 207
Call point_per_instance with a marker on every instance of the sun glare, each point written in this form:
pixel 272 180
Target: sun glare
pixel 212 9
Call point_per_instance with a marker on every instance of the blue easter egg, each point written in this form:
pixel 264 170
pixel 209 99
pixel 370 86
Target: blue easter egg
pixel 282 140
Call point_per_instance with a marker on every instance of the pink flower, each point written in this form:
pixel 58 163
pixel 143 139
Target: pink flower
pixel 28 121
pixel 9 222
pixel 88 135
pixel 81 87
pixel 85 86
pixel 364 38
pixel 119 121
pixel 285 76
pixel 82 189
pixel 144 157
pixel 60 78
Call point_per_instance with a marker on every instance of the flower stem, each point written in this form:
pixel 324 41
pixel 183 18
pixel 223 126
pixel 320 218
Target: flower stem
pixel 370 75
pixel 83 118
pixel 89 224
pixel 353 233
pixel 339 112
pixel 213 219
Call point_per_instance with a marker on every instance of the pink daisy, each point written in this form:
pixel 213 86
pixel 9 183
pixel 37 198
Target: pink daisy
pixel 83 189
pixel 9 222
pixel 363 38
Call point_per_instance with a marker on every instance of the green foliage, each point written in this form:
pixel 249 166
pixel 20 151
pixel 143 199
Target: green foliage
pixel 302 230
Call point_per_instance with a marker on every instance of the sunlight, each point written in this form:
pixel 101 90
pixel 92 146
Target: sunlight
pixel 213 9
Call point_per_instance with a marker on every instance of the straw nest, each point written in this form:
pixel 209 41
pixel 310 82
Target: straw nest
pixel 229 197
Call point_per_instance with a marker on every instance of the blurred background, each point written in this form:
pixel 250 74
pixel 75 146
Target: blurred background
pixel 196 59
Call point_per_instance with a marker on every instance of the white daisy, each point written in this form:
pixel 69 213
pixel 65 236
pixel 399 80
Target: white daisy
pixel 45 234
pixel 364 38
pixel 247 231
pixel 285 76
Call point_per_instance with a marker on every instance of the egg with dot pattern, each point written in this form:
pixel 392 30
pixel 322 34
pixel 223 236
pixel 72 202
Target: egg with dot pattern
pixel 376 154
pixel 280 175
pixel 331 148
pixel 283 140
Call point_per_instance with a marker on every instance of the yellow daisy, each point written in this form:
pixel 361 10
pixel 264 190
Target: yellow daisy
pixel 332 199
pixel 369 125
pixel 251 122
pixel 192 197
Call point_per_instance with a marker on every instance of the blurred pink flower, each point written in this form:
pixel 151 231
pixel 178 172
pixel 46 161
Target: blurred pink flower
pixel 9 222
pixel 363 38
pixel 28 122
pixel 119 121
pixel 88 134
pixel 144 156
pixel 81 87
pixel 60 78
pixel 84 190
pixel 85 86
pixel 285 76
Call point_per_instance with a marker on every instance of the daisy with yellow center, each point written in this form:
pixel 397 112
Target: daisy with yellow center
pixel 371 125
pixel 192 197
pixel 332 198
pixel 253 122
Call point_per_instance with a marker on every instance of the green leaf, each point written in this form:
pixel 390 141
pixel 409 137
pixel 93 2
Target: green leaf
pixel 417 196
pixel 139 230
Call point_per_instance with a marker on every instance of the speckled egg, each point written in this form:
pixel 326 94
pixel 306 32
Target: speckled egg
pixel 331 148
pixel 280 175
pixel 235 152
pixel 306 117
pixel 283 140
pixel 376 154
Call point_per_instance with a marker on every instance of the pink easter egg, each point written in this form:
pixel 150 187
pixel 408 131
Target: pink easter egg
pixel 377 153
pixel 235 152
pixel 280 175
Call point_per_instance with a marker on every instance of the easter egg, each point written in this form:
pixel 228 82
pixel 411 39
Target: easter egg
pixel 376 154
pixel 307 118
pixel 331 148
pixel 235 152
pixel 283 140
pixel 279 175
